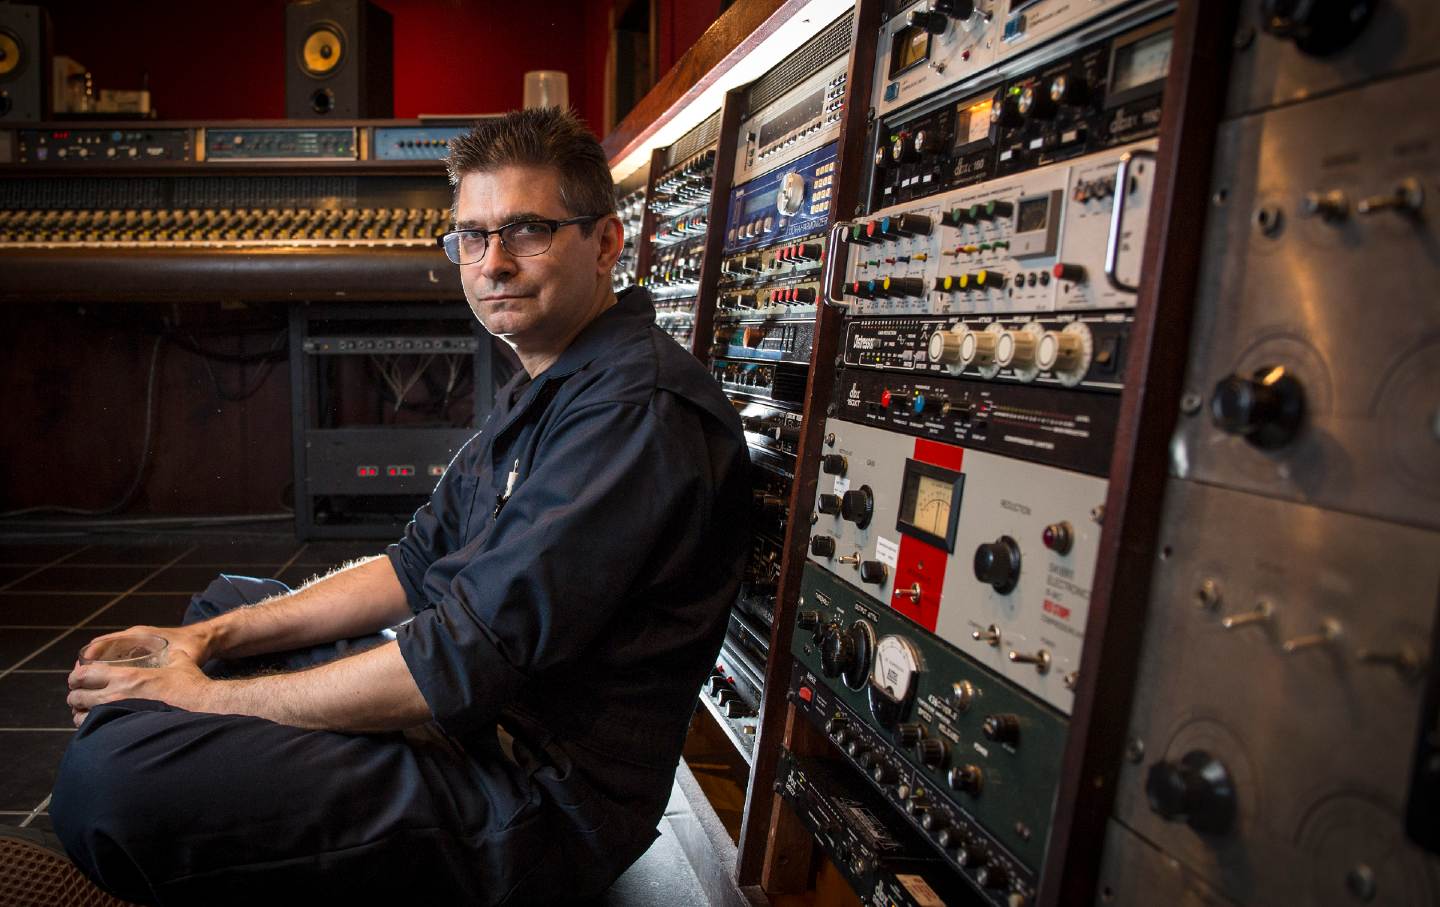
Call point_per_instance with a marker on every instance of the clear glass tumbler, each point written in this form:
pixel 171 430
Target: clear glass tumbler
pixel 134 650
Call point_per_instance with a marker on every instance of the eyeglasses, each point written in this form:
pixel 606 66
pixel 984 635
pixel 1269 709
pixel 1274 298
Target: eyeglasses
pixel 522 239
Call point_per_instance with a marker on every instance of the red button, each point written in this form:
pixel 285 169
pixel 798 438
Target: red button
pixel 885 399
pixel 805 694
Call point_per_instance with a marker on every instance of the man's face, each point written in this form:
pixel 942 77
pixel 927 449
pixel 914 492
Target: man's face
pixel 537 302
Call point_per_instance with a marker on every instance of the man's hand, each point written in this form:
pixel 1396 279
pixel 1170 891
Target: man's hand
pixel 178 682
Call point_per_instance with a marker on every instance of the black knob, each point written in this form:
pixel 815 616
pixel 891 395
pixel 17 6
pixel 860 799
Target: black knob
pixel 1035 102
pixel 873 572
pixel 1197 790
pixel 901 151
pixel 1002 728
pixel 917 809
pixel 909 733
pixel 912 224
pixel 996 209
pixel 960 9
pixel 1265 409
pixel 766 503
pixel 738 708
pixel 857 750
pixel 835 726
pixel 957 217
pixel 882 773
pixel 724 695
pixel 933 22
pixel 714 684
pixel 932 752
pixel 858 671
pixel 837 652
pixel 808 620
pixel 993 875
pixel 1069 88
pixel 998 563
pixel 967 778
pixel 934 821
pixel 950 836
pixel 1317 27
pixel 972 852
pixel 1006 112
pixel 834 464
pixel 829 503
pixel 905 286
pixel 858 506
pixel 822 546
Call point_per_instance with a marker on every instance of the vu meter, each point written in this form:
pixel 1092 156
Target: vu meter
pixel 892 680
pixel 930 503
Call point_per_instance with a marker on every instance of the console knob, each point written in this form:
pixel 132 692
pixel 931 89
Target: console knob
pixel 904 286
pixel 858 507
pixel 934 821
pixel 972 851
pixel 837 653
pixel 1265 409
pixel 977 348
pixel 822 546
pixel 1058 351
pixel 998 563
pixel 873 572
pixel 1036 103
pixel 1317 27
pixel 1015 349
pixel 932 752
pixel 829 503
pixel 933 22
pixel 960 9
pixel 1197 790
pixel 857 751
pixel 738 708
pixel 836 725
pixel 882 772
pixel 808 620
pixel 1069 89
pixel 1006 112
pixel 909 733
pixel 834 464
pixel 993 875
pixel 949 837
pixel 1002 728
pixel 912 224
pixel 967 778
pixel 945 347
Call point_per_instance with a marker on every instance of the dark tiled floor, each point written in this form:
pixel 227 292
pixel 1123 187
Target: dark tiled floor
pixel 48 590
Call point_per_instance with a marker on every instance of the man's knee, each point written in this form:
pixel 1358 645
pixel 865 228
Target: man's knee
pixel 227 592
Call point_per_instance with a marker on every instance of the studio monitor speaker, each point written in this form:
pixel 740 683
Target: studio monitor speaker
pixel 338 60
pixel 23 63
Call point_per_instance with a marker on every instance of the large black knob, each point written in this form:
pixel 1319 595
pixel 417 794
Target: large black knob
pixel 1002 728
pixel 968 778
pixel 931 751
pixel 1265 409
pixel 834 464
pixel 993 875
pixel 1197 790
pixel 808 620
pixel 934 23
pixel 1317 27
pixel 822 546
pixel 828 503
pixel 858 506
pixel 837 652
pixel 998 563
pixel 909 733
pixel 873 573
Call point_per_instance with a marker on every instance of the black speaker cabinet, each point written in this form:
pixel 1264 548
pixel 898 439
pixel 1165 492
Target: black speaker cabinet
pixel 338 60
pixel 24 62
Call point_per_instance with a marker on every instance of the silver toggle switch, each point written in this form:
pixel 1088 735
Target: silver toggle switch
pixel 990 635
pixel 1329 632
pixel 1262 614
pixel 1041 660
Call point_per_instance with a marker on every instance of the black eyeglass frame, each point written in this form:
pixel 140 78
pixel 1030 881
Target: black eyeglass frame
pixel 500 231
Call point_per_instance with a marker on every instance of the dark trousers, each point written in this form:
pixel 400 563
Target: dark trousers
pixel 160 805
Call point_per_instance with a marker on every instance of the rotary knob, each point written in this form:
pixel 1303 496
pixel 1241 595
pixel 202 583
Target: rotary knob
pixel 931 751
pixel 822 546
pixel 1036 102
pixel 882 773
pixel 977 349
pixel 967 778
pixel 912 224
pixel 998 564
pixel 1266 409
pixel 858 506
pixel 829 504
pixel 945 347
pixel 808 620
pixel 1006 112
pixel 909 733
pixel 873 573
pixel 836 726
pixel 1318 27
pixel 834 464
pixel 904 286
pixel 1197 790
pixel 1058 351
pixel 934 23
pixel 1002 728
pixel 993 875
pixel 837 652
pixel 1016 349
pixel 1068 88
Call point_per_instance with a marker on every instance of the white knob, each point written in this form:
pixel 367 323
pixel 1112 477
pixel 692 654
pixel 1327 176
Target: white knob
pixel 945 347
pixel 1016 349
pixel 977 348
pixel 1058 352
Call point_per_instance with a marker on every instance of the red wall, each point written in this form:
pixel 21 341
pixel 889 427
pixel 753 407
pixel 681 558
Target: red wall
pixel 223 61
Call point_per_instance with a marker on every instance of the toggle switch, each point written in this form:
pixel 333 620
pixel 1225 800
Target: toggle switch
pixel 1328 633
pixel 990 635
pixel 1407 198
pixel 1261 614
pixel 1041 660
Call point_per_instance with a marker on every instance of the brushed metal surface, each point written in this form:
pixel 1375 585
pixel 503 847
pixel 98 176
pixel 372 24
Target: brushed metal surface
pixel 1401 35
pixel 1318 741
pixel 1134 874
pixel 1349 306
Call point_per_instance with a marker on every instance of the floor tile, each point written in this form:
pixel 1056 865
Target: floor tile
pixel 156 609
pixel 242 552
pixel 61 656
pixel 48 610
pixel 17 644
pixel 131 555
pixel 31 760
pixel 32 700
pixel 65 578
pixel 9 573
pixel 35 552
pixel 181 579
pixel 333 553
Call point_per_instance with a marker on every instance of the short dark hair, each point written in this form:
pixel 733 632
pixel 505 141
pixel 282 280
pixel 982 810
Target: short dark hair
pixel 541 137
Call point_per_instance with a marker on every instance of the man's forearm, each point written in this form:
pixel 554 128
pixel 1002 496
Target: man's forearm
pixel 369 692
pixel 355 601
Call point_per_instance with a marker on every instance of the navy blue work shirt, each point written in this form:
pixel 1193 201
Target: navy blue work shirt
pixel 584 614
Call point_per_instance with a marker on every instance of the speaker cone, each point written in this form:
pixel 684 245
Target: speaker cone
pixel 10 55
pixel 322 51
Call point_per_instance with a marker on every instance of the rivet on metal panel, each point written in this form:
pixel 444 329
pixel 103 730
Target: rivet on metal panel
pixel 1135 750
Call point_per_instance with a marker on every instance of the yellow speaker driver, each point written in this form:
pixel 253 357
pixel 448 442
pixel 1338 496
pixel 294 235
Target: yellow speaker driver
pixel 323 50
pixel 10 54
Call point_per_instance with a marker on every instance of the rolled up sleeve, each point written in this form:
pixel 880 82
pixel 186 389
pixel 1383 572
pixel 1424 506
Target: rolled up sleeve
pixel 615 490
pixel 435 529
